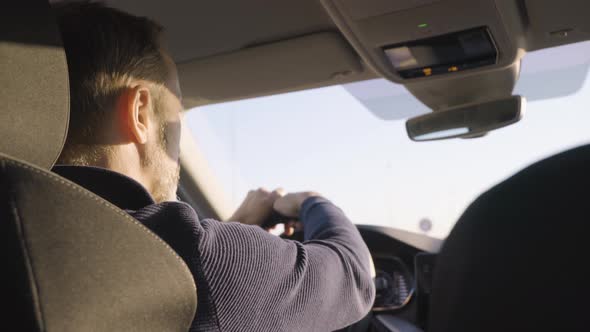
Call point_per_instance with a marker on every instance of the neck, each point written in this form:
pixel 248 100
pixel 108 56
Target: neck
pixel 122 158
pixel 125 160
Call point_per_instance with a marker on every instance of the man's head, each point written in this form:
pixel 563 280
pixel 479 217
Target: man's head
pixel 125 96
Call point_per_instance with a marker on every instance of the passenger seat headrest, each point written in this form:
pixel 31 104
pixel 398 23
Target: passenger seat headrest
pixel 34 88
pixel 516 260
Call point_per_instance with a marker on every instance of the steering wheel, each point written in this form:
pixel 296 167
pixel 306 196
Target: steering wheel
pixel 276 218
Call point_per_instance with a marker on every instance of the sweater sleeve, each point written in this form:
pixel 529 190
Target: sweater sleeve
pixel 260 282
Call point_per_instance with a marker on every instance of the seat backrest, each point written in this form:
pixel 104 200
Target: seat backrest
pixel 72 261
pixel 515 261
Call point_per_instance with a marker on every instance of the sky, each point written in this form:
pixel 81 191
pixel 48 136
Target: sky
pixel 349 143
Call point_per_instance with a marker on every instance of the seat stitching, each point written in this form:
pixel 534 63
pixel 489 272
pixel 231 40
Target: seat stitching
pixel 104 203
pixel 27 258
pixel 34 285
pixel 68 103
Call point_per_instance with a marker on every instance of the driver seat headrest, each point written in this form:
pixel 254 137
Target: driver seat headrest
pixel 73 262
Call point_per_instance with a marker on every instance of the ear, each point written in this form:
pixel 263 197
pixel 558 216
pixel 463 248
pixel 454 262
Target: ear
pixel 135 107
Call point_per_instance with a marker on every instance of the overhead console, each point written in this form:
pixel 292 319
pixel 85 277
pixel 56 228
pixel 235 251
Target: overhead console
pixel 461 58
pixel 450 53
pixel 411 40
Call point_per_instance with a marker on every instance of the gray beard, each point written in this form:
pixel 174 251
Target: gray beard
pixel 167 175
pixel 166 185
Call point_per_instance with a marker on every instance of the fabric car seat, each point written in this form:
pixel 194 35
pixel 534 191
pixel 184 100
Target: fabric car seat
pixel 71 260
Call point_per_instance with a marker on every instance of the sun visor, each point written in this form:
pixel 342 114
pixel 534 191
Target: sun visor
pixel 321 58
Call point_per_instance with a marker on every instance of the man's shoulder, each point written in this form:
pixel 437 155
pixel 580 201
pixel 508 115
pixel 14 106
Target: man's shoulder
pixel 175 219
pixel 166 213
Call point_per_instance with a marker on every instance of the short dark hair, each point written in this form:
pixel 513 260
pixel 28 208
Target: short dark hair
pixel 104 48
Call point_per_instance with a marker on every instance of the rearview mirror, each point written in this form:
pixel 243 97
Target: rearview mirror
pixel 466 121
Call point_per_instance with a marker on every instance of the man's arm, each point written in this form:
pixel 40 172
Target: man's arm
pixel 261 282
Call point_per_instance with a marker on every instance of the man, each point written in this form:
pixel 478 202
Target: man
pixel 123 144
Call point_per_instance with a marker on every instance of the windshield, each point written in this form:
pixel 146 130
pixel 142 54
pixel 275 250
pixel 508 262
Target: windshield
pixel 349 143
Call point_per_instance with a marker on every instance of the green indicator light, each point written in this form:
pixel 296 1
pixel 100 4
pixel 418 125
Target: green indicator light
pixel 423 25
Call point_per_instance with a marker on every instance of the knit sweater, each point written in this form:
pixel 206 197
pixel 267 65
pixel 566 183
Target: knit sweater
pixel 246 278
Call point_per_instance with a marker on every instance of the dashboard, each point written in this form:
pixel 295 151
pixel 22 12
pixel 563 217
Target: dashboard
pixel 404 263
pixel 394 283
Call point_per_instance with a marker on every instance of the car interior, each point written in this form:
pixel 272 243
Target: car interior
pixel 512 260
